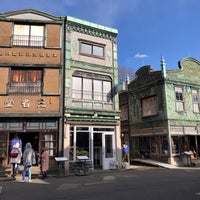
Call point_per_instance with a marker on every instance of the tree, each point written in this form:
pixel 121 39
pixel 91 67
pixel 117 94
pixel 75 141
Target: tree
pixel 122 74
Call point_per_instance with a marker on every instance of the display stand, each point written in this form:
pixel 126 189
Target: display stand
pixel 83 165
pixel 60 161
pixel 188 154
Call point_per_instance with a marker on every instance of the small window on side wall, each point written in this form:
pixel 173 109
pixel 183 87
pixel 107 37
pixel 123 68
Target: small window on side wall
pixel 195 100
pixel 179 99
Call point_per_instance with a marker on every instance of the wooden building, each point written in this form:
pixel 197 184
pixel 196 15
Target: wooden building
pixel 164 112
pixel 31 81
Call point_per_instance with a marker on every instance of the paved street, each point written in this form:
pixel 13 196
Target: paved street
pixel 145 183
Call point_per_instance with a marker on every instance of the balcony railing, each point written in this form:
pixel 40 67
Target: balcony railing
pixel 28 40
pixel 24 88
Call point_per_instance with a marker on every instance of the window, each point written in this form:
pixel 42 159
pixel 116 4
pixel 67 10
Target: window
pixel 179 99
pixel 28 35
pixel 124 112
pixel 25 81
pixel 92 49
pixel 109 146
pixel 49 140
pixel 149 106
pixel 195 100
pixel 91 89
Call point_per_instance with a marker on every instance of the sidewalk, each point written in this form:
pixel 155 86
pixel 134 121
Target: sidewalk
pixel 94 172
pixel 163 165
pixel 140 164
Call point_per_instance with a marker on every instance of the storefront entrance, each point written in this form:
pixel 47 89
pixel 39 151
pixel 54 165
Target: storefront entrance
pixel 32 138
pixel 98 143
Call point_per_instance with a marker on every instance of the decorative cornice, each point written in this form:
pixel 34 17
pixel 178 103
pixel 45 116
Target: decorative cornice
pixel 91 30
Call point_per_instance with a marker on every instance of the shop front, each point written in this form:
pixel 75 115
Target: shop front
pixel 39 132
pixel 96 142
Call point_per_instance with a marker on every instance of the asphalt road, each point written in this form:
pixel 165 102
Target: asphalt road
pixel 137 184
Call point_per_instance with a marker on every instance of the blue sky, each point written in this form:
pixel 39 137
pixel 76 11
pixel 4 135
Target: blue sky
pixel 147 29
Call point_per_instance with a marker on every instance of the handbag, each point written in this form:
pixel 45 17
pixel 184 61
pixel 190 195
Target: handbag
pixel 14 153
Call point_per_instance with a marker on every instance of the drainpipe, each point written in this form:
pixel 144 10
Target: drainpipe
pixel 63 86
pixel 163 70
pixel 196 141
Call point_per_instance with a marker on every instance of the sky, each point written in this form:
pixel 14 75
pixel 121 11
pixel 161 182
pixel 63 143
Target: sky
pixel 147 29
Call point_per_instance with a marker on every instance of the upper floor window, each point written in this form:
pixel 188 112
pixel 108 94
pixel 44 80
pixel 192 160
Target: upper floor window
pixel 91 89
pixel 179 99
pixel 25 81
pixel 92 49
pixel 28 35
pixel 195 100
pixel 149 106
pixel 124 112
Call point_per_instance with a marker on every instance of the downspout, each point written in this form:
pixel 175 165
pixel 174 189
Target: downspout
pixel 63 84
pixel 163 68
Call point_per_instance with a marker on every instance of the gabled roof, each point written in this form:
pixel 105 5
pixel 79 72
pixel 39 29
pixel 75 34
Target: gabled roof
pixel 29 14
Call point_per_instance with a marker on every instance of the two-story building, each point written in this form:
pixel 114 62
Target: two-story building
pixel 92 117
pixel 164 112
pixel 31 81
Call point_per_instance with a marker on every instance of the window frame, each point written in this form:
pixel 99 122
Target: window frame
pixel 92 95
pixel 179 99
pixel 149 107
pixel 124 112
pixel 195 100
pixel 92 46
pixel 29 39
pixel 23 81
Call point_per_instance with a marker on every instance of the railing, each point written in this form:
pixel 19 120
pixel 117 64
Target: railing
pixel 24 88
pixel 28 40
pixel 89 95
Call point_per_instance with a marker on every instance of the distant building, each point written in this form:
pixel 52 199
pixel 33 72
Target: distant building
pixel 164 112
pixel 124 109
pixel 31 81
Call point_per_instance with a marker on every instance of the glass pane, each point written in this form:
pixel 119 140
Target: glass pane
pixel 76 87
pixel 179 106
pixel 86 48
pixel 98 51
pixel 87 88
pixel 82 144
pixel 37 30
pixel 97 90
pixel 21 35
pixel 107 91
pixel 196 107
pixel 108 146
pixel 71 150
pixel 36 35
pixel 21 29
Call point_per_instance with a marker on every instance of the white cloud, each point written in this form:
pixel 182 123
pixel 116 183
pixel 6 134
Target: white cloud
pixel 138 55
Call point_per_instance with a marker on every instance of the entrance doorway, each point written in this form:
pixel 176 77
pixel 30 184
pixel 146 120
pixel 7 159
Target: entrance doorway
pixel 32 138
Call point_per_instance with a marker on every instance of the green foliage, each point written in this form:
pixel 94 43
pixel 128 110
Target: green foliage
pixel 82 153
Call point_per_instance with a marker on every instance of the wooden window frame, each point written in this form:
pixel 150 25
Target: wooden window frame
pixel 92 45
pixel 149 106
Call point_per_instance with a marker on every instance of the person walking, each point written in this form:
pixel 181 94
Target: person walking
pixel 14 141
pixel 28 161
pixel 44 162
pixel 15 159
pixel 125 151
